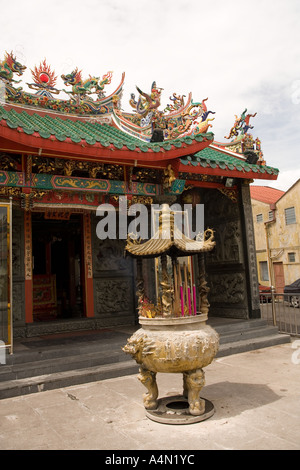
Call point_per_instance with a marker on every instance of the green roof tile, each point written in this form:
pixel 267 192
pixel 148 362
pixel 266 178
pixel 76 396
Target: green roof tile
pixel 90 132
pixel 212 157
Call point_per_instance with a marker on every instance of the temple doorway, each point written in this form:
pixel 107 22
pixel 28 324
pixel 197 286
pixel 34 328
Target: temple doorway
pixel 57 267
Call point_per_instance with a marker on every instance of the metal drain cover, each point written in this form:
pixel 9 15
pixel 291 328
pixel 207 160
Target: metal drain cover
pixel 175 410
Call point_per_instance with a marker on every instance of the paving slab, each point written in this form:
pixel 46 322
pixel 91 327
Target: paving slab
pixel 256 396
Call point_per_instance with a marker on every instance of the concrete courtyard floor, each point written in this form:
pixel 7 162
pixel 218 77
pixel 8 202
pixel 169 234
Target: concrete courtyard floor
pixel 256 396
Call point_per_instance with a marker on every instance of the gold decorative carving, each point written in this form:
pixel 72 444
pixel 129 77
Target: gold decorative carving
pixel 28 167
pixel 7 162
pixel 7 191
pixel 27 199
pixel 146 200
pixel 169 177
pixel 231 193
pixel 69 167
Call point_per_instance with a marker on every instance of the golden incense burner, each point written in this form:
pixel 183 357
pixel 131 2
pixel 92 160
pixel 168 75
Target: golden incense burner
pixel 174 336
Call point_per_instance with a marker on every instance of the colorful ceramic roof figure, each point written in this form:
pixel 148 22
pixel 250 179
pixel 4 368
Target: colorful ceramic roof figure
pixel 243 142
pixel 176 120
pixel 9 66
pixel 91 126
pixel 44 80
pixel 80 102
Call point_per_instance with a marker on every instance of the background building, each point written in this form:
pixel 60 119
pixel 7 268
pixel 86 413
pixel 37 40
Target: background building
pixel 276 220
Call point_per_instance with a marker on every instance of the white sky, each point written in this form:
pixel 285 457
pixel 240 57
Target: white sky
pixel 238 54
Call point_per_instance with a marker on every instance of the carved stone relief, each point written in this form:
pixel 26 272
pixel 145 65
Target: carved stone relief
pixel 228 247
pixel 113 278
pixel 218 207
pixel 113 295
pixel 250 245
pixel 18 302
pixel 109 256
pixel 16 251
pixel 226 263
pixel 18 308
pixel 228 288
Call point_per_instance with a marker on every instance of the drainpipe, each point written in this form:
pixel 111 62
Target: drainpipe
pixel 270 263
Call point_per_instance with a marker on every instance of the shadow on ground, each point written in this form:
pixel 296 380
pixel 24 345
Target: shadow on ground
pixel 232 398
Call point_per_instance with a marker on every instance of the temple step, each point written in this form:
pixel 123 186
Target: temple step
pixel 42 383
pixel 63 360
pixel 238 336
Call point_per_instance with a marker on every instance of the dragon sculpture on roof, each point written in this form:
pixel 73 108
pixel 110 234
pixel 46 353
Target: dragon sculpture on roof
pixel 178 118
pixel 83 88
pixel 241 125
pixel 9 66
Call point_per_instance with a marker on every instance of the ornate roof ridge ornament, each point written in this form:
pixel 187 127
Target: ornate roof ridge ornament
pixel 242 141
pixel 178 119
pixel 241 125
pixel 82 89
pixel 44 80
pixel 9 66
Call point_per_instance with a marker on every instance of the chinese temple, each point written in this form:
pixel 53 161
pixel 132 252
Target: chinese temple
pixel 64 151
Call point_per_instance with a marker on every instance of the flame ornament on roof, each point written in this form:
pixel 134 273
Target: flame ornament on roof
pixel 44 80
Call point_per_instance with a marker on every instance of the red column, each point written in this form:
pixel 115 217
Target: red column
pixel 28 267
pixel 88 296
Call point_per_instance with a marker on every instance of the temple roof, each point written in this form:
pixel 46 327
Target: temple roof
pixel 214 157
pixel 55 134
pixel 86 135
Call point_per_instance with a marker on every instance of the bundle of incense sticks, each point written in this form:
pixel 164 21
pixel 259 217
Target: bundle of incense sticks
pixel 184 294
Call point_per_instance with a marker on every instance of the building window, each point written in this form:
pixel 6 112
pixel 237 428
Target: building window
pixel 292 257
pixel 259 218
pixel 290 216
pixel 264 273
pixel 270 215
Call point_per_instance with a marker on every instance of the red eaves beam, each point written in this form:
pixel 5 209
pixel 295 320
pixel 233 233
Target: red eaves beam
pixel 223 172
pixel 35 142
